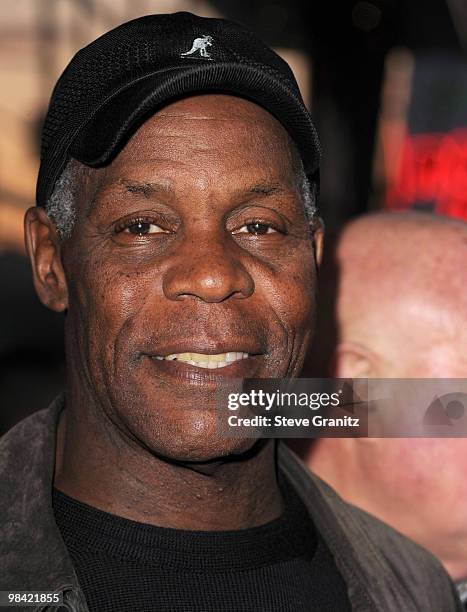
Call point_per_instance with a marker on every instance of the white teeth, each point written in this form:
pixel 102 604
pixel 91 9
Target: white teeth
pixel 201 360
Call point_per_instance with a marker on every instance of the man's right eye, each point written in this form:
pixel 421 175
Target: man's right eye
pixel 139 227
pixel 142 228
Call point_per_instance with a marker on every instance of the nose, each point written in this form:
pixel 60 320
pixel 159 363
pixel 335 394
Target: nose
pixel 210 272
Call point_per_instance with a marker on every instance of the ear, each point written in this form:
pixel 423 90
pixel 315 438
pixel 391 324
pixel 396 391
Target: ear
pixel 318 239
pixel 44 250
pixel 353 360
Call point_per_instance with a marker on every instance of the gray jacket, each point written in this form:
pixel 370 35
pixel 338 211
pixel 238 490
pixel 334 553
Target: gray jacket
pixel 382 569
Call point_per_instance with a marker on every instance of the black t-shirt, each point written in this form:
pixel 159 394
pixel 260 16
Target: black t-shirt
pixel 125 566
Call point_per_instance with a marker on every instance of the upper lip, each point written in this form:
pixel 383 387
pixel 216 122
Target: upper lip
pixel 206 347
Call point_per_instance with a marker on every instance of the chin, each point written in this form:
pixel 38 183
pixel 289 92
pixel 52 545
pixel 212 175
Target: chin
pixel 184 435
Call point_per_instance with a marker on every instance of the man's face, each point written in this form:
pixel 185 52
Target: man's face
pixel 194 240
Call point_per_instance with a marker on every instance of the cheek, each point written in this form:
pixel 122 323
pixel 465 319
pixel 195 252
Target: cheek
pixel 414 468
pixel 102 297
pixel 289 297
pixel 441 361
pixel 104 305
pixel 293 293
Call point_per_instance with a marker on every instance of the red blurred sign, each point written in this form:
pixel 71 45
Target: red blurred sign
pixel 432 171
pixel 422 157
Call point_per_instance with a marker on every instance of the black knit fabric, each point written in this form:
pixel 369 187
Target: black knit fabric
pixel 125 566
pixel 118 80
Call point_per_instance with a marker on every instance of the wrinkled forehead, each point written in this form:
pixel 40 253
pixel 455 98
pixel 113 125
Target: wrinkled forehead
pixel 210 121
pixel 207 141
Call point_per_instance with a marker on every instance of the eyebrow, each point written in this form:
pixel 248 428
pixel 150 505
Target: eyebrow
pixel 264 189
pixel 146 189
pixel 143 188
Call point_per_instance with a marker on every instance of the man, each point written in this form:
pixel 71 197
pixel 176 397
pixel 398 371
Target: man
pixel 177 230
pixel 398 281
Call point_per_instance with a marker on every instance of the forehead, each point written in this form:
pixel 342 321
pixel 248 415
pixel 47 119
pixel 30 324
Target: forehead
pixel 212 111
pixel 208 130
pixel 409 271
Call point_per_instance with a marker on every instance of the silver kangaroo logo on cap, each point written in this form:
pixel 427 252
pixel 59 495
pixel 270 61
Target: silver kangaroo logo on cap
pixel 200 46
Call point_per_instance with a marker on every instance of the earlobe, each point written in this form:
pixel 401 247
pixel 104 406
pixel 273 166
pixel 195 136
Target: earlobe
pixel 44 250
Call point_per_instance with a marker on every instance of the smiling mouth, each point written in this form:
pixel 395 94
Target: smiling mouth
pixel 207 361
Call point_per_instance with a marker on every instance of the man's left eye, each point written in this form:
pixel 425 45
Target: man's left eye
pixel 256 228
pixel 142 228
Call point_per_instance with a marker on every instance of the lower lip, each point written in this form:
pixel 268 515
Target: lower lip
pixel 184 372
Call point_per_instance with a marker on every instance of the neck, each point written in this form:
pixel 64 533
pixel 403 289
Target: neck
pixel 116 475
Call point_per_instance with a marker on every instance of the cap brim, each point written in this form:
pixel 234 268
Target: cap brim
pixel 100 139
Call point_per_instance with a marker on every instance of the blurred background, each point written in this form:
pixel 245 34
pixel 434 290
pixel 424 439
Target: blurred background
pixel 386 82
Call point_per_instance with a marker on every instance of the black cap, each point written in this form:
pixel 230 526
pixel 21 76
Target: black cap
pixel 117 81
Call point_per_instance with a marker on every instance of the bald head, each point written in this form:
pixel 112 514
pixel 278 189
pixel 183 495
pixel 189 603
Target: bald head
pixel 393 304
pixel 393 292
